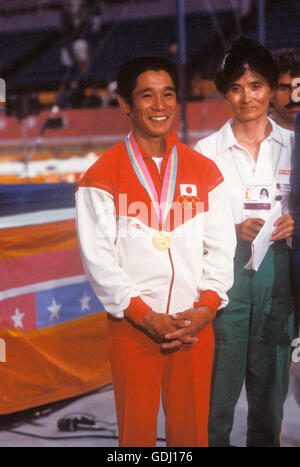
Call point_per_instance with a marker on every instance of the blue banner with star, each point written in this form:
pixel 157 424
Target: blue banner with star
pixel 63 304
pixel 43 282
pixel 52 323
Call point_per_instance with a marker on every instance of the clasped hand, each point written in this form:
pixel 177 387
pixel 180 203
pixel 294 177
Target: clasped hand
pixel 177 330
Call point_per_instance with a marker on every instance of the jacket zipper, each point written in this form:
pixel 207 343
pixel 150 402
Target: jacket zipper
pixel 169 253
pixel 172 282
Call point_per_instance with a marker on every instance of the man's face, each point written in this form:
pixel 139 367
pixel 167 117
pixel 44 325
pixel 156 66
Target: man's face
pixel 284 106
pixel 153 106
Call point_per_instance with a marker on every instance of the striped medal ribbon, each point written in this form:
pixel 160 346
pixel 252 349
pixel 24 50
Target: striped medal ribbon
pixel 162 240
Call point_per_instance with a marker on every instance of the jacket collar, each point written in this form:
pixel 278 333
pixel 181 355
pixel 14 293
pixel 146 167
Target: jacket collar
pixel 171 140
pixel 227 140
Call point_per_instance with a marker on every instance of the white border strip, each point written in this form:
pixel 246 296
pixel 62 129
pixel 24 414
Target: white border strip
pixel 42 286
pixel 35 218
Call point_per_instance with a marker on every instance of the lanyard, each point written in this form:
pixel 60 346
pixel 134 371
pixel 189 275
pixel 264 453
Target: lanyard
pixel 162 206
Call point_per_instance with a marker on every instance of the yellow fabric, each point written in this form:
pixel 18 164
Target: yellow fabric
pixel 33 239
pixel 54 363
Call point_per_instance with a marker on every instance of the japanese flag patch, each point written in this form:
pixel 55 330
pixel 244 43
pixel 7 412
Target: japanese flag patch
pixel 188 190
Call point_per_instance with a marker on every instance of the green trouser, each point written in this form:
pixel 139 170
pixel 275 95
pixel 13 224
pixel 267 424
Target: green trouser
pixel 253 337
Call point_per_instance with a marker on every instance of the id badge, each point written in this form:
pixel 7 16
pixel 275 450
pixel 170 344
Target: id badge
pixel 257 202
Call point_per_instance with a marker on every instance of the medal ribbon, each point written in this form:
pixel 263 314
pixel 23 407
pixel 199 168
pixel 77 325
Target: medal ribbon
pixel 162 207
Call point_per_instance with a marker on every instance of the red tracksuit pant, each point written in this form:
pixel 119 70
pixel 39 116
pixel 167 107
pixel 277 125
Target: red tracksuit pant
pixel 141 373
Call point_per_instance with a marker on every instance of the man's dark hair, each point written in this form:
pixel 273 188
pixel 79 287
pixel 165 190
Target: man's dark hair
pixel 287 60
pixel 130 71
pixel 246 53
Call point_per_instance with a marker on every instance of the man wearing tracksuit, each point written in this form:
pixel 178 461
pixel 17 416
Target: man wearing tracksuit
pixel 157 240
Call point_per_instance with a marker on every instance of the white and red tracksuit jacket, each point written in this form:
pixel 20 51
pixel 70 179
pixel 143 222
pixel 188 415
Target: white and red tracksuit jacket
pixel 116 226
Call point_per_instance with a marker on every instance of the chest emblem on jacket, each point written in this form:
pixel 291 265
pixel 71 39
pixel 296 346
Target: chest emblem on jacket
pixel 188 198
pixel 188 190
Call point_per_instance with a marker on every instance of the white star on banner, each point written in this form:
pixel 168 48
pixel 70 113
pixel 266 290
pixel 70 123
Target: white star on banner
pixel 85 302
pixel 54 310
pixel 17 318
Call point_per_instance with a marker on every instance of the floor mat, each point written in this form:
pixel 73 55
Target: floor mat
pixel 40 428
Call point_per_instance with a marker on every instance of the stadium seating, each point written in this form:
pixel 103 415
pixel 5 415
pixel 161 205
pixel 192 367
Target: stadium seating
pixel 282 22
pixel 109 49
pixel 15 46
pixel 282 30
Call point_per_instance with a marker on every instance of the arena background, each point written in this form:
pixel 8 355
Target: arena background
pixel 58 66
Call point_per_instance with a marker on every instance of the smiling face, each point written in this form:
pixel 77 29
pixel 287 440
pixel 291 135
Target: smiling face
pixel 249 97
pixel 285 109
pixel 153 106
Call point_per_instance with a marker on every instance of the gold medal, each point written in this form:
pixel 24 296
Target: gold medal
pixel 162 240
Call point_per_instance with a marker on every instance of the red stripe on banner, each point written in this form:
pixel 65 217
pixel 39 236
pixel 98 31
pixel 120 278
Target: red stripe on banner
pixel 22 271
pixel 18 314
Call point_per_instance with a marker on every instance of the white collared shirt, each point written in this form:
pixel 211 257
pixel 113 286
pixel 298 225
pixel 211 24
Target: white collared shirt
pixel 271 171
